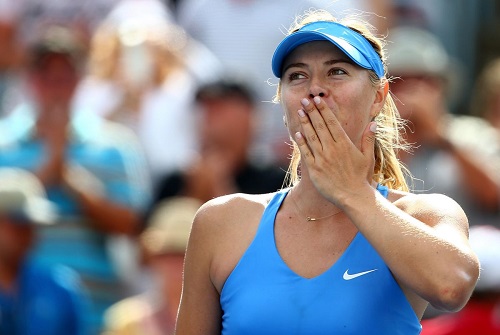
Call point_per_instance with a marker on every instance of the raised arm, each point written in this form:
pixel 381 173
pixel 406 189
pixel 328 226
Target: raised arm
pixel 423 239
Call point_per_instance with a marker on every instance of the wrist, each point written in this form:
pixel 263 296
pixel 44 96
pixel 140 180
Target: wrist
pixel 358 199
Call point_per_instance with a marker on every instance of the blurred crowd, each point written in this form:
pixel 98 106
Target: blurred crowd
pixel 119 118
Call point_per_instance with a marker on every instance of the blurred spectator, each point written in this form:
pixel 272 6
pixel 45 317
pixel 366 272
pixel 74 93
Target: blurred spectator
pixel 34 299
pixel 226 112
pixel 486 98
pixel 246 49
pixel 92 169
pixel 481 315
pixel 141 76
pixel 442 161
pixel 29 16
pixel 163 244
pixel 20 22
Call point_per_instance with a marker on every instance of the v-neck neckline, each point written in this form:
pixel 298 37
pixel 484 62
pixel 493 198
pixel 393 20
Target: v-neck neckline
pixel 285 265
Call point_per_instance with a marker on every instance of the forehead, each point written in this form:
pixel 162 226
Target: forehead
pixel 312 51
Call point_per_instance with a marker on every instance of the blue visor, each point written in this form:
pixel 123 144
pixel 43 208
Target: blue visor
pixel 350 42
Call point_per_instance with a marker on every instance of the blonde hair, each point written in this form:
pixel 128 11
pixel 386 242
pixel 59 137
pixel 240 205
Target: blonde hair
pixel 389 170
pixel 165 42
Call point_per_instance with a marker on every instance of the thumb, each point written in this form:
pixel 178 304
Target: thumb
pixel 368 142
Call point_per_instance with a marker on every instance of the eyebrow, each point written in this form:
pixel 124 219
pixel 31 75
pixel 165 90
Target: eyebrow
pixel 329 62
pixel 301 65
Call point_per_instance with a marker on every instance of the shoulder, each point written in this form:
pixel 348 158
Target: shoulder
pixel 109 133
pixel 432 209
pixel 222 230
pixel 229 209
pixel 223 222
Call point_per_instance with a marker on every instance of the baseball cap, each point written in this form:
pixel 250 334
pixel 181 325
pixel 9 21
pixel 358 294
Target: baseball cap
pixel 416 51
pixel 353 44
pixel 169 226
pixel 56 40
pixel 23 198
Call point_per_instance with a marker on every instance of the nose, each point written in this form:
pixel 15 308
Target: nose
pixel 312 95
pixel 317 88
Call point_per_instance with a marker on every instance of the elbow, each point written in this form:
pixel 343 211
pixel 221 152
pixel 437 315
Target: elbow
pixel 453 293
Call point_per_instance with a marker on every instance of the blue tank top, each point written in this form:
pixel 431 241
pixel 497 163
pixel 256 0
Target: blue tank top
pixel 357 295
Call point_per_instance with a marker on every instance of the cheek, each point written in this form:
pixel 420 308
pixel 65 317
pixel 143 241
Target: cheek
pixel 290 102
pixel 353 113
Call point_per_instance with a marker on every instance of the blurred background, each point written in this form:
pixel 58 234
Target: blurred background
pixel 132 113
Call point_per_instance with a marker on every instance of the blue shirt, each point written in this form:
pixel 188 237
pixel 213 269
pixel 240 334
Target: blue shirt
pixel 112 154
pixel 357 295
pixel 46 301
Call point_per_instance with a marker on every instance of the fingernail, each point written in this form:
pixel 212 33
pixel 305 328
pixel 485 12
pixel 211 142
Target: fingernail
pixel 317 100
pixel 305 102
pixel 301 113
pixel 298 135
pixel 373 127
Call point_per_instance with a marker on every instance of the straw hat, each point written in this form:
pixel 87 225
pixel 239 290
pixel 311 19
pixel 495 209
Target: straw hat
pixel 169 226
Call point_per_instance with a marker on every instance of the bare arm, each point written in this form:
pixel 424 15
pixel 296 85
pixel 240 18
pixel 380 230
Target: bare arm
pixel 108 216
pixel 422 239
pixel 479 181
pixel 105 215
pixel 199 311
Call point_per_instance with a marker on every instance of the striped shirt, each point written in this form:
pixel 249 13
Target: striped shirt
pixel 112 155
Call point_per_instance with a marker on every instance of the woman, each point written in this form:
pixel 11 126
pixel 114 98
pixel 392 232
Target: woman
pixel 137 78
pixel 347 249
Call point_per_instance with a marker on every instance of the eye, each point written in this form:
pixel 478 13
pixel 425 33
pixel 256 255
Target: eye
pixel 336 72
pixel 296 76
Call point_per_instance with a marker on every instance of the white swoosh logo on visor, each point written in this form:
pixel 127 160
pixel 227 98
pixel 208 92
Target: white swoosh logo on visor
pixel 348 276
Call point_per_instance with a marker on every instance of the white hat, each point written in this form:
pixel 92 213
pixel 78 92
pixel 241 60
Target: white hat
pixel 414 51
pixel 22 197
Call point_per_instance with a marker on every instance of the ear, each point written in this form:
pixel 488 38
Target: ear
pixel 379 101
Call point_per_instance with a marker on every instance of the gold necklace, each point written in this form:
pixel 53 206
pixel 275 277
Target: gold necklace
pixel 310 218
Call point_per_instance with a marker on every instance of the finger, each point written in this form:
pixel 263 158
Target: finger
pixel 305 153
pixel 317 122
pixel 368 142
pixel 308 131
pixel 329 119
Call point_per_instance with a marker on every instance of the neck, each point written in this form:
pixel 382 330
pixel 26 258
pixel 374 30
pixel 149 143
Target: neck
pixel 309 201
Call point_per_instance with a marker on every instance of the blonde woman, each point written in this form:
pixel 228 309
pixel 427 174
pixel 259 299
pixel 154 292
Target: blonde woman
pixel 346 249
pixel 137 77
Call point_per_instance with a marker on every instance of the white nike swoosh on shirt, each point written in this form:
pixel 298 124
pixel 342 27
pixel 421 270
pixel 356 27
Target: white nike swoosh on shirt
pixel 348 276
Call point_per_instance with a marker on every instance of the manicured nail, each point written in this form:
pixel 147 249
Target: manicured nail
pixel 317 100
pixel 301 113
pixel 305 102
pixel 298 135
pixel 373 127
